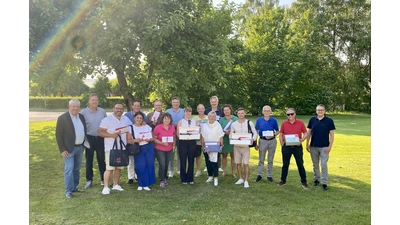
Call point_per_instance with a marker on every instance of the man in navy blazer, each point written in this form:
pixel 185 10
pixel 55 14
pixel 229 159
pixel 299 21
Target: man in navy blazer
pixel 70 136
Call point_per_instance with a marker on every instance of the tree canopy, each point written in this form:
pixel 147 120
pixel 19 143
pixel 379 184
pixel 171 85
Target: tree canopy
pixel 250 55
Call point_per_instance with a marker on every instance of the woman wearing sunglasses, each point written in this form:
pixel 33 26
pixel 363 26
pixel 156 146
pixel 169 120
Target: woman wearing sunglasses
pixel 293 132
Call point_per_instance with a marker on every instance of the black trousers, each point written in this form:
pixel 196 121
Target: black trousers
pixel 297 152
pixel 96 145
pixel 187 153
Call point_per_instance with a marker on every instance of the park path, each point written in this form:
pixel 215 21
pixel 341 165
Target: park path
pixel 46 116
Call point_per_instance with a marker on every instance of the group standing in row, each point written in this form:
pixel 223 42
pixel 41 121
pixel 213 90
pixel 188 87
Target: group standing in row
pixel 162 131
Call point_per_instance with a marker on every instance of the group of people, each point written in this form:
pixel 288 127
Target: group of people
pixel 162 135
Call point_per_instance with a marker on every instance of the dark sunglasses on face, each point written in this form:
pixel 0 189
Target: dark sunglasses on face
pixel 290 114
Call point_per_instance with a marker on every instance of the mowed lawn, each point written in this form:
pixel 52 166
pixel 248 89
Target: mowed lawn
pixel 348 200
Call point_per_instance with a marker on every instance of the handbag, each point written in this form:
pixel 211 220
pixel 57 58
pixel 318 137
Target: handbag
pixel 119 156
pixel 250 131
pixel 133 149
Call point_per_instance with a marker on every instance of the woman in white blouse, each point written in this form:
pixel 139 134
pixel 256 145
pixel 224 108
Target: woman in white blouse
pixel 144 162
pixel 187 148
pixel 212 132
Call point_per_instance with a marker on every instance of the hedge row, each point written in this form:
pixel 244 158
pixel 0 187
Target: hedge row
pixel 62 102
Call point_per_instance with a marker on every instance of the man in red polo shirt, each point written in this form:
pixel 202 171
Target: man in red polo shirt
pixel 293 132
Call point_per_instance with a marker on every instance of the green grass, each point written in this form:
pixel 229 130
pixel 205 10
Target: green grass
pixel 348 200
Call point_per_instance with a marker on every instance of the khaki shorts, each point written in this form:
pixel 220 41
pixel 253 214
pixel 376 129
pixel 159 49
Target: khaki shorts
pixel 108 167
pixel 241 153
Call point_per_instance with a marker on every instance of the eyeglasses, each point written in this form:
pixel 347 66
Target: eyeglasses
pixel 119 108
pixel 290 114
pixel 320 110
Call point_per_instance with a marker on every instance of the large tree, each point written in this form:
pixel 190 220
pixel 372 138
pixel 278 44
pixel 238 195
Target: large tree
pixel 156 48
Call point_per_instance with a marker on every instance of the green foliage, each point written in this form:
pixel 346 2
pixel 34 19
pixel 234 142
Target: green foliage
pixel 252 55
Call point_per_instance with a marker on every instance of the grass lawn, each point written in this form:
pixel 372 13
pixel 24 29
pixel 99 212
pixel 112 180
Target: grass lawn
pixel 348 200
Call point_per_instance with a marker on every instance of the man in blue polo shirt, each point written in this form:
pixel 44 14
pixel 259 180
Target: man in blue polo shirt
pixel 267 128
pixel 321 131
pixel 176 114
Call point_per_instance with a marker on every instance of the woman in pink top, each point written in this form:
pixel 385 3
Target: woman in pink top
pixel 164 139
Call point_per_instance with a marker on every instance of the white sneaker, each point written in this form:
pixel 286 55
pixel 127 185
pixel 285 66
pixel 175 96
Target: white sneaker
pixel 170 174
pixel 215 182
pixel 209 180
pixel 102 183
pixel 118 188
pixel 220 170
pixel 139 188
pixel 240 181
pixel 106 191
pixel 246 184
pixel 205 169
pixel 198 173
pixel 146 188
pixel 179 172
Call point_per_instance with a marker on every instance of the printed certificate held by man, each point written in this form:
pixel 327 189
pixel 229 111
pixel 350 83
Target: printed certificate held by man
pixel 240 139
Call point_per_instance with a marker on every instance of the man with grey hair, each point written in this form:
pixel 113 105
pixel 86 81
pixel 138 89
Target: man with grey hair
pixel 268 129
pixel 70 136
pixel 214 107
pixel 152 117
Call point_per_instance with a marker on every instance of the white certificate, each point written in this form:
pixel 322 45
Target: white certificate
pixel 189 133
pixel 155 116
pixel 145 135
pixel 123 129
pixel 240 139
pixel 168 139
pixel 268 133
pixel 292 139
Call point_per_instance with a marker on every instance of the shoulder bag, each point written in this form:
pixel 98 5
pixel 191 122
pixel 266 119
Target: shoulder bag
pixel 119 156
pixel 133 149
pixel 250 131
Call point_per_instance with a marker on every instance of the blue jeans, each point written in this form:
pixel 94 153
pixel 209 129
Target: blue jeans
pixel 71 169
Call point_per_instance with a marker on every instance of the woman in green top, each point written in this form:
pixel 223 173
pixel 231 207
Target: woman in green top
pixel 226 122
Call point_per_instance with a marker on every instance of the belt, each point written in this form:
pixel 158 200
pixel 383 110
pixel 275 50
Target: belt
pixel 78 145
pixel 267 139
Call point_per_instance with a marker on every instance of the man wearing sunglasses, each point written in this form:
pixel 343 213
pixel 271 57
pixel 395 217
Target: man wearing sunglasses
pixel 293 132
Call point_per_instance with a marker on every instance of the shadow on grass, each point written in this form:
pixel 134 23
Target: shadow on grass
pixel 346 202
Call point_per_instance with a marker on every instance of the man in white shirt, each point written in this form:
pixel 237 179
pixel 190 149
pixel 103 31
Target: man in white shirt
pixel 109 130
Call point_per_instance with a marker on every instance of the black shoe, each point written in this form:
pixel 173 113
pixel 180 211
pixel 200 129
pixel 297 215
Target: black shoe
pixel 130 181
pixel 316 182
pixel 258 178
pixel 324 187
pixel 77 190
pixel 270 179
pixel 282 183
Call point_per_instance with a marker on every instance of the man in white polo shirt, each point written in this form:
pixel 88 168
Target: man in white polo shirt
pixel 109 130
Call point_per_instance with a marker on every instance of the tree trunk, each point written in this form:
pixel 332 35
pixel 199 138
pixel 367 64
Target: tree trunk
pixel 123 85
